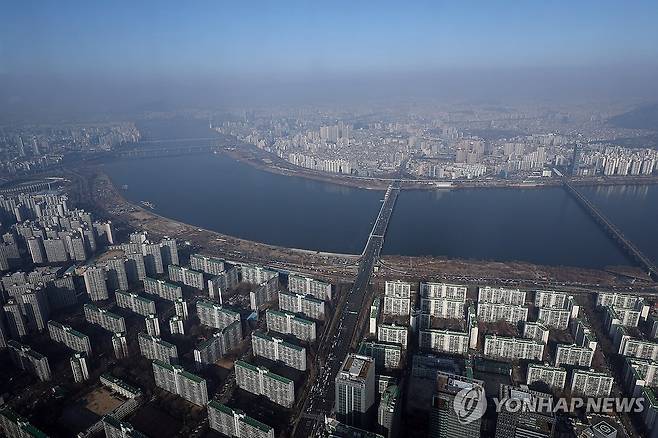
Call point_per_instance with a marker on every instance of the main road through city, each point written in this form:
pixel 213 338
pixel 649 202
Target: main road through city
pixel 337 344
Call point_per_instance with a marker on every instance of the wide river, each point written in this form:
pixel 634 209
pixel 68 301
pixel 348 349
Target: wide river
pixel 543 226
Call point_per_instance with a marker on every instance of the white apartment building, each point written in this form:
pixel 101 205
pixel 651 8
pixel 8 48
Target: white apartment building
pixel 446 341
pixel 591 383
pixel 501 295
pixel 261 381
pixel 235 423
pixel 289 323
pixel 215 315
pixel 307 305
pixel 494 312
pixel 162 289
pixel 209 265
pixel 309 286
pixel 218 345
pixel 278 350
pixel 443 308
pixel 386 355
pixel 222 282
pixel 556 318
pixel 512 348
pixel 443 291
pixel 154 348
pixel 573 355
pixel 536 331
pixel 135 303
pixel 550 299
pixel 554 377
pixel 176 380
pixel 396 334
pixel 68 336
pixel 107 320
pixel 188 277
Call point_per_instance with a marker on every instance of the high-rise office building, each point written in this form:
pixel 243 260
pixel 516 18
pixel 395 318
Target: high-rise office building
pixel 445 421
pixel 515 422
pixel 355 390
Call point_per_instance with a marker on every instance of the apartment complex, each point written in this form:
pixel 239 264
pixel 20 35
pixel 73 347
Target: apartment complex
pixel 278 350
pixel 260 381
pixel 176 380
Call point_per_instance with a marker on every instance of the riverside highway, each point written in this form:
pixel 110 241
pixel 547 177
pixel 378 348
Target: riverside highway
pixel 338 343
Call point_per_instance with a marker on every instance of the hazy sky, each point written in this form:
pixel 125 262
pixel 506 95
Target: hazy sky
pixel 47 45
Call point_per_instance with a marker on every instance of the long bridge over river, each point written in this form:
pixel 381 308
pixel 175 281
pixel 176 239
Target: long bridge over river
pixel 611 230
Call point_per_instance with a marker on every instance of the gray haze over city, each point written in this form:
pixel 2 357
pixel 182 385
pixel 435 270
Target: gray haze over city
pixel 351 219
